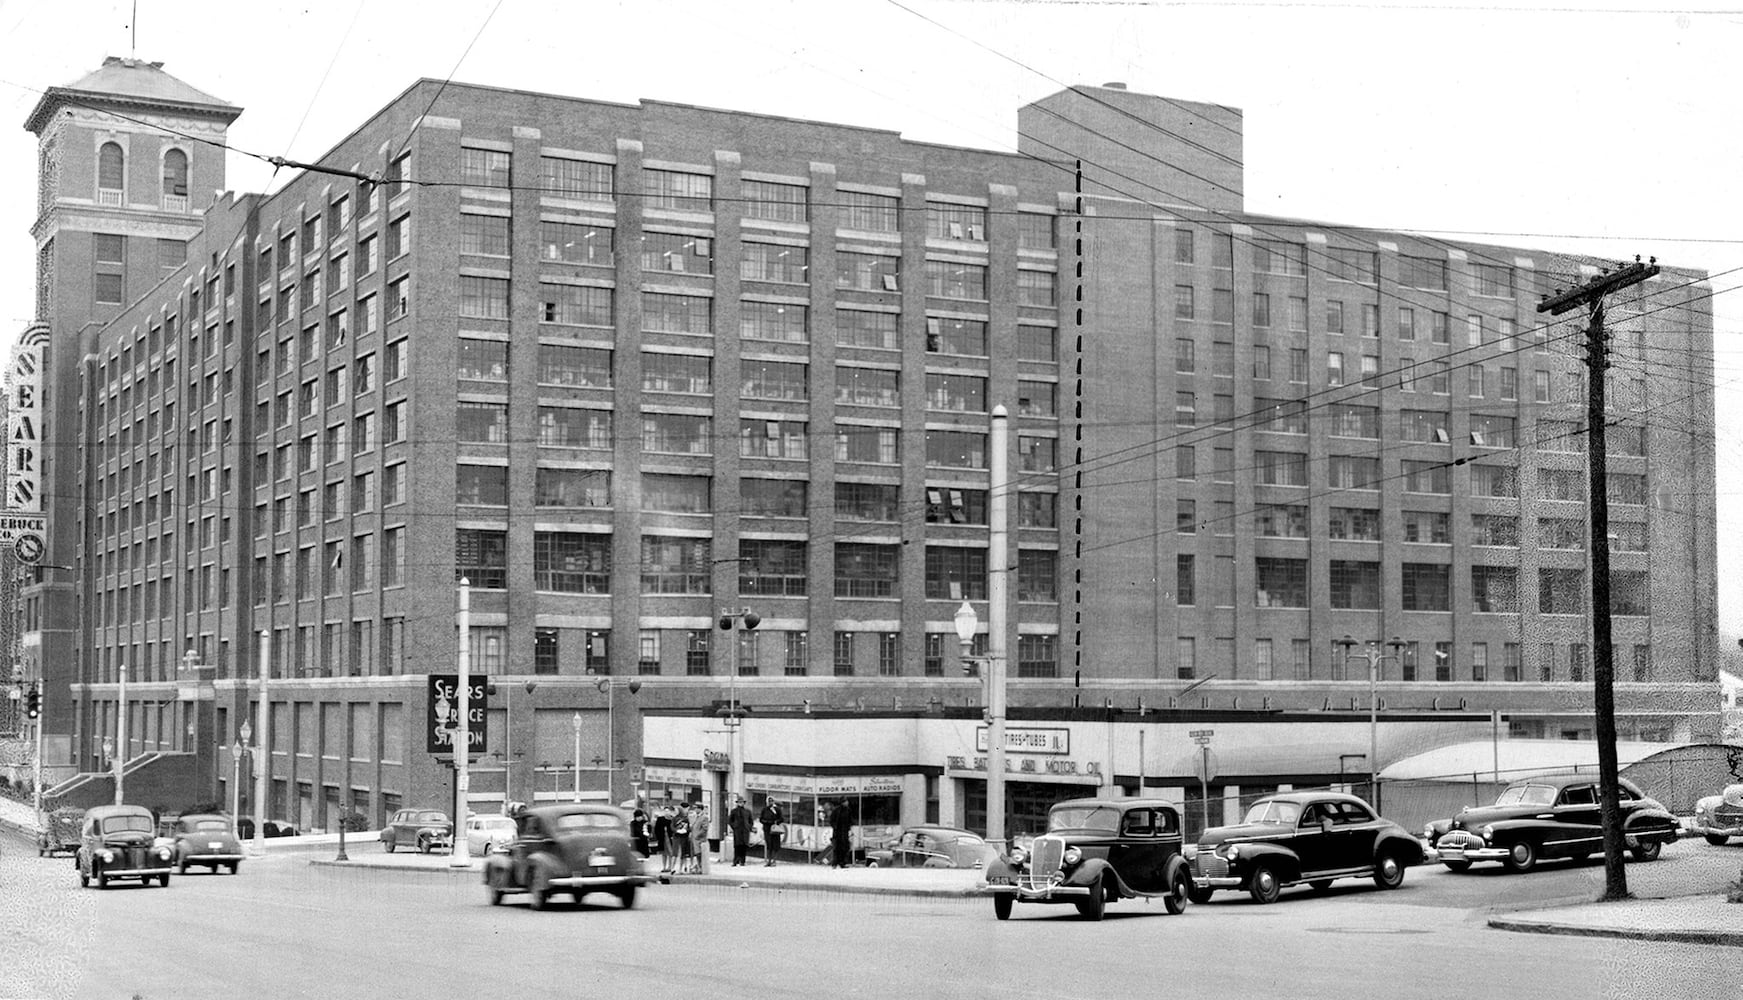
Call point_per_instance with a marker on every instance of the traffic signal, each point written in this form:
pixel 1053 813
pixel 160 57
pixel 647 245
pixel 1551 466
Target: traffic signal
pixel 33 702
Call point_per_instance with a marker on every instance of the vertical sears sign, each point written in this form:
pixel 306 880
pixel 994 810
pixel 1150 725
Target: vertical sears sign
pixel 22 522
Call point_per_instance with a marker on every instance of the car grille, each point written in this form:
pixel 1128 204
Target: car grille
pixel 1208 865
pixel 1728 814
pixel 1046 856
pixel 1460 838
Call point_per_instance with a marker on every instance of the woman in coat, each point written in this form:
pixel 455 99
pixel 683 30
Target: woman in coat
pixel 774 825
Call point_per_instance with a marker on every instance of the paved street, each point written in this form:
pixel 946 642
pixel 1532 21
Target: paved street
pixel 364 932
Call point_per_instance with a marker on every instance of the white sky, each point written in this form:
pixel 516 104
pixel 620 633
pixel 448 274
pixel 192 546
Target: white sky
pixel 1597 126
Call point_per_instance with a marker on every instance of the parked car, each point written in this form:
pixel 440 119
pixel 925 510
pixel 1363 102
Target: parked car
pixel 930 847
pixel 60 832
pixel 1094 851
pixel 1720 817
pixel 207 840
pixel 1549 816
pixel 121 842
pixel 425 829
pixel 272 828
pixel 575 847
pixel 1296 838
pixel 489 832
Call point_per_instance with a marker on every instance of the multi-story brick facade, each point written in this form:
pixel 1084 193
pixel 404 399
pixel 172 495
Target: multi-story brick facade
pixel 624 368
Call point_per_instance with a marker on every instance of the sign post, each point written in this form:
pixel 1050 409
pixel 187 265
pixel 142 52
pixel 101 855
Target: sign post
pixel 1202 737
pixel 442 722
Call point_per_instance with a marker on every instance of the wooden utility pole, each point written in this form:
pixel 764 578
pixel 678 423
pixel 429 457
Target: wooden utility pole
pixel 1591 295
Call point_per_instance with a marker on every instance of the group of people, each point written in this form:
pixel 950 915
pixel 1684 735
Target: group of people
pixel 680 834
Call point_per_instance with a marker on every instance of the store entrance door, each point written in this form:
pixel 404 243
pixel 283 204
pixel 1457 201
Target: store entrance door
pixel 1026 804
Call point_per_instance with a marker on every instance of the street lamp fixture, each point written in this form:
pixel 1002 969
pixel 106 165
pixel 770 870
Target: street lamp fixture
pixel 1371 653
pixel 613 764
pixel 748 620
pixel 993 678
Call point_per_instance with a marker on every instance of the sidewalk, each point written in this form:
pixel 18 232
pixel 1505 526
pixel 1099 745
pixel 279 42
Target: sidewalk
pixel 1702 919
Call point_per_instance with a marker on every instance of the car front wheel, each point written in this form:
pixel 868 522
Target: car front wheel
pixel 1002 906
pixel 1388 873
pixel 540 890
pixel 163 880
pixel 1095 905
pixel 1263 885
pixel 388 845
pixel 1521 857
pixel 1199 895
pixel 1647 850
pixel 1718 839
pixel 102 879
pixel 628 896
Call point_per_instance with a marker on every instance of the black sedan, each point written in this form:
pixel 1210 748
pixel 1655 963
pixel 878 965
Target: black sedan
pixel 1096 851
pixel 575 847
pixel 1549 816
pixel 1311 838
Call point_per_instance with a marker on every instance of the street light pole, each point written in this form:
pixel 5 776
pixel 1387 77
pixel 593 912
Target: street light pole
pixel 459 847
pixel 749 620
pixel 263 749
pixel 1374 658
pixel 121 736
pixel 575 721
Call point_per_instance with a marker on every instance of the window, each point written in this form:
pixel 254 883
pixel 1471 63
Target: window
pixel 1261 362
pixel 1561 533
pixel 1358 524
pixel 1494 481
pixel 572 488
pixel 1439 327
pixel 1334 316
pixel 1334 368
pixel 1540 391
pixel 574 243
pixel 1182 245
pixel 777 321
pixel 1422 272
pixel 867 501
pixel 1426 586
pixel 1036 454
pixel 677 191
pixel 1353 472
pixel 482 234
pixel 1495 588
pixel 774 201
pixel 1037 510
pixel 1509 383
pixel 771 568
pixel 956 449
pixel 1037 575
pixel 579 179
pixel 955 573
pixel 1261 309
pixel 864 570
pixel 481 485
pixel 1562 591
pixel 773 439
pixel 867 386
pixel 1629 594
pixel 685 373
pixel 1350 265
pixel 948 335
pixel 588 367
pixel 1280 468
pixel 1625 488
pixel 955 506
pixel 955 222
pixel 867 271
pixel 1183 306
pixel 1037 655
pixel 677 494
pixel 1280 583
pixel 761 379
pixel 955 280
pixel 1423 426
pixel 1431 527
pixel 863 443
pixel 111 174
pixel 867 212
pixel 1185 589
pixel 677 433
pixel 175 174
pixel 1350 420
pixel 1298 364
pixel 1281 520
pixel 485 298
pixel 1493 280
pixel 569 562
pixel 1561 484
pixel 481 557
pixel 484 167
pixel 1355 585
pixel 1495 529
pixel 481 423
pixel 1185 409
pixel 666 313
pixel 858 328
pixel 1035 231
pixel 1038 288
pixel 774 262
pixel 772 497
pixel 1279 257
pixel 1037 399
pixel 676 565
pixel 481 360
pixel 1281 416
pixel 1426 477
pixel 581 305
pixel 1185 657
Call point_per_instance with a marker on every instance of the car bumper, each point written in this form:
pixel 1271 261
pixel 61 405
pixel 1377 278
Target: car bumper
pixel 208 858
pixel 1701 829
pixel 1216 881
pixel 1471 853
pixel 601 881
pixel 1057 892
pixel 126 872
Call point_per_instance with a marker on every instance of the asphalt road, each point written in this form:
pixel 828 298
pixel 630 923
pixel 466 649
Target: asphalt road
pixel 284 929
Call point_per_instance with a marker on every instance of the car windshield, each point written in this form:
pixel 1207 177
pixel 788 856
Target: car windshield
pixel 1526 795
pixel 430 817
pixel 125 824
pixel 1274 811
pixel 494 823
pixel 211 826
pixel 1104 818
pixel 586 821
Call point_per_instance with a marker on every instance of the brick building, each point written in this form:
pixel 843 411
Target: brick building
pixel 627 367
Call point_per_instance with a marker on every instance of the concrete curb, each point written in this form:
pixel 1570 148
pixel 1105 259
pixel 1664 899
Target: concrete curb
pixel 382 866
pixel 715 881
pixel 1732 939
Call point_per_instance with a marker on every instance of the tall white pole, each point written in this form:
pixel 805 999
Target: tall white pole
pixel 575 724
pixel 610 745
pixel 236 783
pixel 735 721
pixel 998 587
pixel 121 735
pixel 36 777
pixel 263 749
pixel 458 854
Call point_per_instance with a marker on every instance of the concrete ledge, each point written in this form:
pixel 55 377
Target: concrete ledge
pixel 1733 939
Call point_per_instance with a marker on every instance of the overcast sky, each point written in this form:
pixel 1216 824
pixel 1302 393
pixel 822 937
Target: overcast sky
pixel 1581 125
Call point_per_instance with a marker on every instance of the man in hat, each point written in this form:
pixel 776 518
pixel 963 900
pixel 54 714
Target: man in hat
pixel 739 819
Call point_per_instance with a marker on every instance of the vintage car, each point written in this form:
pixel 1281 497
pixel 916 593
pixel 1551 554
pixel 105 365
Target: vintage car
pixel 489 832
pixel 1549 816
pixel 1096 850
pixel 206 840
pixel 60 832
pixel 575 847
pixel 121 842
pixel 930 847
pixel 1720 817
pixel 425 829
pixel 1297 838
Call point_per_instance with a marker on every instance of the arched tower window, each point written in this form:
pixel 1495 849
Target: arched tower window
pixel 111 168
pixel 175 173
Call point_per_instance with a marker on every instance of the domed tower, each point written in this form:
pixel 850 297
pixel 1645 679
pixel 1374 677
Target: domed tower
pixel 128 160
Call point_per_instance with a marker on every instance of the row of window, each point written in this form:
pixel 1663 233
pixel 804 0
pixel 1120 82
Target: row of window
pixel 1363 472
pixel 1362 524
pixel 1405 664
pixel 1280 257
pixel 1356 585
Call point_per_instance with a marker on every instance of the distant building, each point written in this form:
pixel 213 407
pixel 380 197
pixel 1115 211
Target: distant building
pixel 628 367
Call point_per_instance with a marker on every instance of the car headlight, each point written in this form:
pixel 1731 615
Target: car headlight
pixel 1428 832
pixel 1073 855
pixel 1018 856
pixel 163 853
pixel 107 855
pixel 1487 833
pixel 1230 851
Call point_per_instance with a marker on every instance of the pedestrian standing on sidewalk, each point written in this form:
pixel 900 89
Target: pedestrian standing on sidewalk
pixel 740 822
pixel 841 827
pixel 681 834
pixel 774 828
pixel 699 838
pixel 638 832
pixel 663 837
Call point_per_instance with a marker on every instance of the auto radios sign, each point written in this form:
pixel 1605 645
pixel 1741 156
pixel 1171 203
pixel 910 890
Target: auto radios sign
pixel 22 523
pixel 442 725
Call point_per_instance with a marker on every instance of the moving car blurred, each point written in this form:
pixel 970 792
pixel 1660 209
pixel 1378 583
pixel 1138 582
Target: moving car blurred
pixel 207 840
pixel 120 842
pixel 930 847
pixel 1720 817
pixel 489 832
pixel 1096 850
pixel 1549 816
pixel 1302 837
pixel 425 829
pixel 60 832
pixel 575 847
